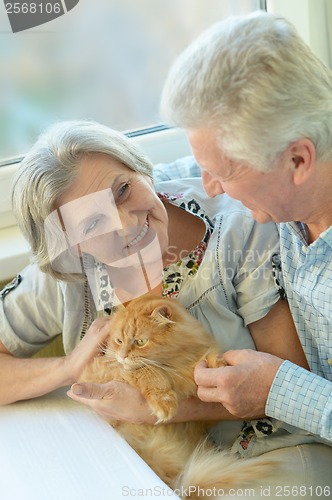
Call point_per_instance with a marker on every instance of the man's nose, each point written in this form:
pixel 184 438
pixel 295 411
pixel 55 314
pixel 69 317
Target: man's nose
pixel 212 186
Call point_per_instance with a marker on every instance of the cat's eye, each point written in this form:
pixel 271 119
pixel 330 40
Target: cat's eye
pixel 141 342
pixel 118 341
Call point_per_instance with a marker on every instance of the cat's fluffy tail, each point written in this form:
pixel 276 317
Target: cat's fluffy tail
pixel 213 473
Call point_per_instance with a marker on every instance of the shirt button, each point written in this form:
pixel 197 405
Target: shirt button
pixel 304 249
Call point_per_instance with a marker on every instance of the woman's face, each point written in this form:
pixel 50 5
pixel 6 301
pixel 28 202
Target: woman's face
pixel 114 214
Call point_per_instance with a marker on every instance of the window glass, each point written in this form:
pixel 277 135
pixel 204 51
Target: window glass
pixel 104 60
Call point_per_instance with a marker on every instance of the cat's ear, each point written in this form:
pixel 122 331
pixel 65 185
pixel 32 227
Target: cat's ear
pixel 162 314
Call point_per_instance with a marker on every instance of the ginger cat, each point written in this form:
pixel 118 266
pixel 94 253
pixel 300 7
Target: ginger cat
pixel 154 345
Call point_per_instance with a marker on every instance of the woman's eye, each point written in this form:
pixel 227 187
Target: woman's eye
pixel 91 227
pixel 141 342
pixel 124 189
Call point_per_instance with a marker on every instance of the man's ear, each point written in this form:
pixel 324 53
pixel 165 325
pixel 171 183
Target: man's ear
pixel 302 157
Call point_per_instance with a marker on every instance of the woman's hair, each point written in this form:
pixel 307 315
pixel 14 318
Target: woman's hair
pixel 255 83
pixel 51 167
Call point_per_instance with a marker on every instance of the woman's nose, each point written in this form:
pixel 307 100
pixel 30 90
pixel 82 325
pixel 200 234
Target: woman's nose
pixel 212 186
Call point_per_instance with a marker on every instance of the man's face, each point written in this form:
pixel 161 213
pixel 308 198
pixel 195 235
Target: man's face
pixel 267 195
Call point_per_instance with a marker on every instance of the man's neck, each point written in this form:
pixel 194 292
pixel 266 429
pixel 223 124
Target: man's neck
pixel 315 230
pixel 319 207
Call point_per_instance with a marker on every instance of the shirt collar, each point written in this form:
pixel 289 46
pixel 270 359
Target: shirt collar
pixel 299 228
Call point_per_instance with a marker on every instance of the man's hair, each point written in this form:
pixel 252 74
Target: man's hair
pixel 255 83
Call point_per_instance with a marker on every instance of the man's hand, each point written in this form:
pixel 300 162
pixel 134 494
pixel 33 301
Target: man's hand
pixel 242 386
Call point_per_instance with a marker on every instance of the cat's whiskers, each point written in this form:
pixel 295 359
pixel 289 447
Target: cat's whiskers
pixel 109 360
pixel 153 362
pixel 154 367
pixel 157 365
pixel 102 348
pixel 109 355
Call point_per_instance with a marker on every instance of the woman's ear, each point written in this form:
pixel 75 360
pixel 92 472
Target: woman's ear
pixel 302 154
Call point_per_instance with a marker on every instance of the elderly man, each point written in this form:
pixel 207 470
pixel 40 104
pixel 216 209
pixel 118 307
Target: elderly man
pixel 257 108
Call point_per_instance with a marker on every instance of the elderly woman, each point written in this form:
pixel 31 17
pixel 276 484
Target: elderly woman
pixel 102 234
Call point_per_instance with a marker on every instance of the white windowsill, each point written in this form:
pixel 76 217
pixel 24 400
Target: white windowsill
pixel 14 252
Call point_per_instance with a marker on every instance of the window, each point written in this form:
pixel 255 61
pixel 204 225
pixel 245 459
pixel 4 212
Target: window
pixel 104 60
pixel 107 60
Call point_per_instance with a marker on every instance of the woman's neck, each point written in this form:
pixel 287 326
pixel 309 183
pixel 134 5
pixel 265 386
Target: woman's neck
pixel 185 232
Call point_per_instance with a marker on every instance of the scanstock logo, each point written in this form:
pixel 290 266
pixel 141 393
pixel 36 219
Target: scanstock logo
pixel 24 15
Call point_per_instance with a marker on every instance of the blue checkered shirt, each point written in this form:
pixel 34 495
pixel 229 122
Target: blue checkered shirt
pixel 179 169
pixel 299 397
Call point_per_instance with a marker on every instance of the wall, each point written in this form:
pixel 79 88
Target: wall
pixel 313 19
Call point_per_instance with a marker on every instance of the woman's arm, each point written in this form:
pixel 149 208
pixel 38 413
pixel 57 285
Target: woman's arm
pixel 120 401
pixel 276 334
pixel 30 378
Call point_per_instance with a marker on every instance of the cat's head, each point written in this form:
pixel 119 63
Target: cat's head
pixel 147 332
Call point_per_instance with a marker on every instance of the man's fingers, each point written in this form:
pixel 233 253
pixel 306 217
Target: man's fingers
pixel 238 356
pixel 208 394
pixel 205 376
pixel 201 364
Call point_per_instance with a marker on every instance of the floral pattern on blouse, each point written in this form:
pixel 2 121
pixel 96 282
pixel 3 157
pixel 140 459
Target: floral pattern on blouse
pixel 175 274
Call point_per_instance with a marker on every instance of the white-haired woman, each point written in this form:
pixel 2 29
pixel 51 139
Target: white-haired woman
pixel 101 234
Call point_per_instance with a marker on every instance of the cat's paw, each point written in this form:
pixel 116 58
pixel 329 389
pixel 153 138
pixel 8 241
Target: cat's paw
pixel 215 360
pixel 164 406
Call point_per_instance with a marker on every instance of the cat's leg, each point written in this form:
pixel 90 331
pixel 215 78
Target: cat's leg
pixel 160 395
pixel 215 360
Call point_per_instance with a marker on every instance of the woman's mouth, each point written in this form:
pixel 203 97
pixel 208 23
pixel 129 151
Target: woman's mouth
pixel 140 236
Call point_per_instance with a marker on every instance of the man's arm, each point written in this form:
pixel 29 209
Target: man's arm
pixel 302 399
pixel 244 386
pixel 257 383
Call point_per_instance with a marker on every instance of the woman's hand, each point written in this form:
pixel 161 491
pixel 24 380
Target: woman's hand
pixel 114 401
pixel 90 346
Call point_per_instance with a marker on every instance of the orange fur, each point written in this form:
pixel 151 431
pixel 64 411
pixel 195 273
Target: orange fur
pixel 154 345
